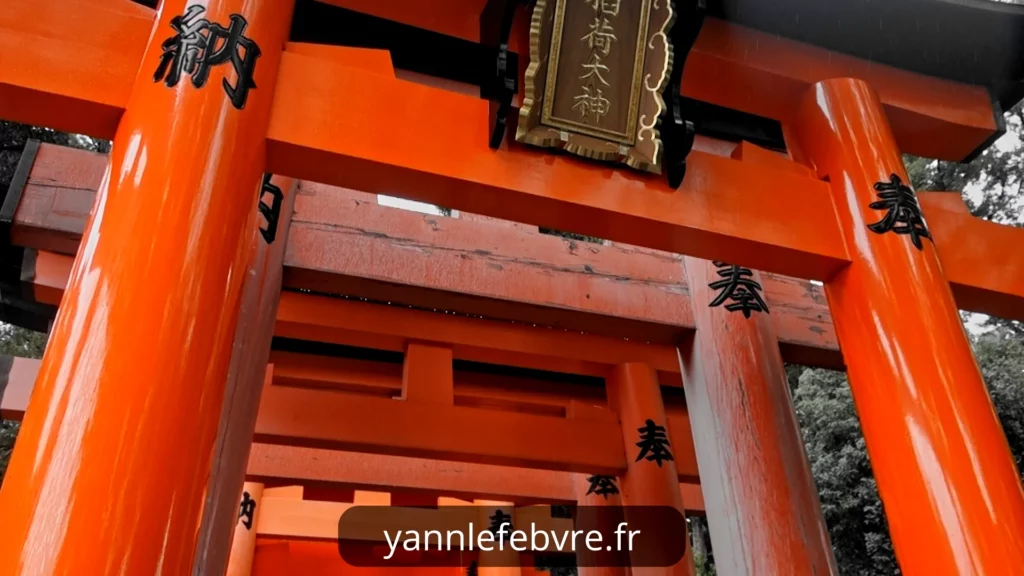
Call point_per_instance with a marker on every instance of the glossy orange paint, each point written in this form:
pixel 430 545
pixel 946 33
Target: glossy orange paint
pixel 55 83
pixel 952 494
pixel 980 259
pixel 243 541
pixel 131 386
pixel 322 468
pixel 368 59
pixel 342 242
pixel 764 513
pixel 757 72
pixel 726 209
pixel 741 68
pixel 58 75
pixel 634 394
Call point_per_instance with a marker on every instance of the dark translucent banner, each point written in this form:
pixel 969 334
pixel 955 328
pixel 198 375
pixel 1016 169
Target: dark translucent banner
pixel 595 536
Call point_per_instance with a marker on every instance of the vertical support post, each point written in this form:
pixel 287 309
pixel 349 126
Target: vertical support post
pixel 427 374
pixel 762 504
pixel 243 542
pixel 113 459
pixel 598 492
pixel 501 560
pixel 944 470
pixel 651 478
pixel 247 374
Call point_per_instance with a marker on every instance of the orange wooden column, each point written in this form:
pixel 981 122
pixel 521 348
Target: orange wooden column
pixel 247 374
pixel 243 541
pixel 113 459
pixel 595 490
pixel 502 559
pixel 945 474
pixel 651 478
pixel 762 505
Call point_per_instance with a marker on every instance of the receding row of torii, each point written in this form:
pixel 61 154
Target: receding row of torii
pixel 154 378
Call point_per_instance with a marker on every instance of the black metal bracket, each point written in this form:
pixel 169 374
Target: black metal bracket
pixel 502 82
pixel 677 132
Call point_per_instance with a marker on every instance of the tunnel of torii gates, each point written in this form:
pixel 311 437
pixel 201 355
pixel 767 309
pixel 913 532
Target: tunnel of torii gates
pixel 243 344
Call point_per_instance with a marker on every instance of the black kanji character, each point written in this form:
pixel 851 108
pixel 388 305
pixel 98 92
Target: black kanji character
pixel 183 52
pixel 497 521
pixel 233 47
pixel 271 213
pixel 471 570
pixel 246 510
pixel 737 284
pixel 602 486
pixel 198 45
pixel 903 214
pixel 653 443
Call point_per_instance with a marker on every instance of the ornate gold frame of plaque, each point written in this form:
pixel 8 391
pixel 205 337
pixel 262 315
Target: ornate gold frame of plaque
pixel 624 88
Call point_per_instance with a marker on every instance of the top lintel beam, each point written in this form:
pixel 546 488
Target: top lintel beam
pixel 62 78
pixel 388 136
pixel 737 67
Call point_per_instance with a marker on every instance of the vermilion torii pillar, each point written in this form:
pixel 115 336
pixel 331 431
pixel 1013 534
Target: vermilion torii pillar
pixel 247 374
pixel 762 505
pixel 596 491
pixel 243 541
pixel 113 458
pixel 945 474
pixel 651 478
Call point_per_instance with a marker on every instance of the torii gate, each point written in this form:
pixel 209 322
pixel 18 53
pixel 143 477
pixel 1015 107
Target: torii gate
pixel 172 233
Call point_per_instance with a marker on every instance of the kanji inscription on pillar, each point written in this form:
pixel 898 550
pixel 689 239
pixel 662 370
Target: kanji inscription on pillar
pixel 246 510
pixel 738 287
pixel 271 212
pixel 198 45
pixel 603 486
pixel 653 443
pixel 497 521
pixel 902 212
pixel 596 76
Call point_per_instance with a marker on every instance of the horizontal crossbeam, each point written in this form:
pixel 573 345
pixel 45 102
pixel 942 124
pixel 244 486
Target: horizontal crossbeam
pixel 368 136
pixel 341 241
pixel 332 420
pixel 323 468
pixel 358 423
pixel 281 464
pixel 737 67
pixel 81 82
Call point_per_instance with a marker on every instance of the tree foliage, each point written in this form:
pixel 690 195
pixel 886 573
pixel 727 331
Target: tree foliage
pixel 839 462
pixel 993 189
pixel 992 185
